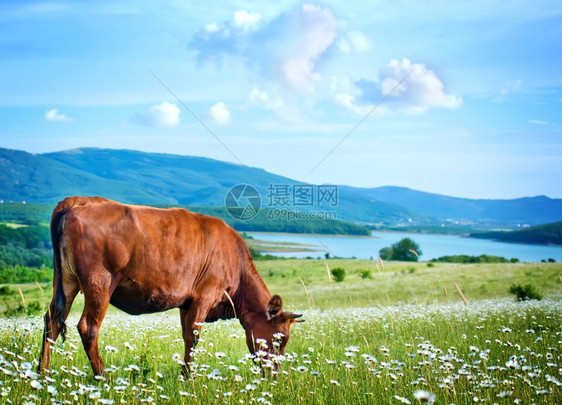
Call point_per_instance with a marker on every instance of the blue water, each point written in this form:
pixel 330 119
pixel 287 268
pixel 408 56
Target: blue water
pixel 431 245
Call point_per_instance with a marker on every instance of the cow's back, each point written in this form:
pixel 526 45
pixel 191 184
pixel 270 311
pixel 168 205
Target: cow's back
pixel 156 258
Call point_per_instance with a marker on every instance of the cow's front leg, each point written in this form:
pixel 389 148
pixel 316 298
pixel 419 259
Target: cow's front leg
pixel 191 321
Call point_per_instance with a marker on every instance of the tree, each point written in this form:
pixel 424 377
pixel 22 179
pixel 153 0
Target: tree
pixel 404 250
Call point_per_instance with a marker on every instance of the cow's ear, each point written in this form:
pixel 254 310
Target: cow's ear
pixel 293 317
pixel 274 308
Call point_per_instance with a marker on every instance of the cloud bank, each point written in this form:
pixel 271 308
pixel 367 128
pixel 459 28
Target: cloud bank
pixel 160 115
pixel 286 49
pixel 219 113
pixel 54 116
pixel 409 88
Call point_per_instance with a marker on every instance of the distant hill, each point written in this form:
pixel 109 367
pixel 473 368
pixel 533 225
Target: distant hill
pixel 549 234
pixel 154 178
pixel 528 210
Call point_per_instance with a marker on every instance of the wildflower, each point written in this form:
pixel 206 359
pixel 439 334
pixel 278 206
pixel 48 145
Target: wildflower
pixel 278 335
pixel 402 399
pixel 250 387
pixel 512 364
pixel 262 343
pixel 110 349
pixel 335 382
pixel 131 367
pixel 105 401
pixel 424 396
pixel 36 385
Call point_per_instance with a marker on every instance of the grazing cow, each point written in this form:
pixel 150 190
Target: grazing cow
pixel 143 260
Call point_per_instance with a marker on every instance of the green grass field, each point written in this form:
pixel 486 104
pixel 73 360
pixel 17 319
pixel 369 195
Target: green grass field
pixel 388 338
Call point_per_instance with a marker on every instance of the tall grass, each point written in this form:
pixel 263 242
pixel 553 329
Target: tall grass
pixel 496 351
pixel 363 342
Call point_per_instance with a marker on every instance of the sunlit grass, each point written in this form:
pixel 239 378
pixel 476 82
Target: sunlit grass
pixel 496 351
pixel 388 339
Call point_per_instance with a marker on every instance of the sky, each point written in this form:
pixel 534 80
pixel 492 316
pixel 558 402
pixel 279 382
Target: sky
pixel 455 98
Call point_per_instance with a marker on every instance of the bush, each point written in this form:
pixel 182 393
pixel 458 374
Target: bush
pixel 338 273
pixel 5 290
pixel 404 250
pixel 525 292
pixel 366 274
pixel 34 307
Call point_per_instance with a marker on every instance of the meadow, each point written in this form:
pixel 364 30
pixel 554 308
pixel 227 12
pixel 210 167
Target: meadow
pixel 390 333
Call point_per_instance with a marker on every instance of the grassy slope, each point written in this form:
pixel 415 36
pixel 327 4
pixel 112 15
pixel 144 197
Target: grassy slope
pixel 378 354
pixel 398 282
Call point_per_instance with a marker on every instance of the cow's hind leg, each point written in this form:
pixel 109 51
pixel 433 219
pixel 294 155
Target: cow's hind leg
pixel 52 328
pixel 191 322
pixel 96 297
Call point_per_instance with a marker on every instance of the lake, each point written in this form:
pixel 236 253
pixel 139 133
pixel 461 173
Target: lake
pixel 431 245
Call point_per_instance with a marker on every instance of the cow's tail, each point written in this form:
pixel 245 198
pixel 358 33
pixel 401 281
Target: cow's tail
pixel 57 233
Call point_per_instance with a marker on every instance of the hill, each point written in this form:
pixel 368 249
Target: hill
pixel 549 234
pixel 153 178
pixel 490 213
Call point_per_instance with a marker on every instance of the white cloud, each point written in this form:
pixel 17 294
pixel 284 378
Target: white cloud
pixel 54 116
pixel 355 41
pixel 343 90
pixel 160 115
pixel 220 113
pixel 286 48
pixel 246 20
pixel 317 31
pixel 409 88
pixel 263 99
pixel 420 90
pixel 538 122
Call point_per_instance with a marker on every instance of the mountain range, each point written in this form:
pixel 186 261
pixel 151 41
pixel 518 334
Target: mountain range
pixel 138 177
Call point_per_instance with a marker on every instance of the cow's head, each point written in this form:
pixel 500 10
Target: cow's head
pixel 271 334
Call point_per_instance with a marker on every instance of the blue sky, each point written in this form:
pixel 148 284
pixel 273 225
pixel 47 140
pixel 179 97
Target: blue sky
pixel 471 92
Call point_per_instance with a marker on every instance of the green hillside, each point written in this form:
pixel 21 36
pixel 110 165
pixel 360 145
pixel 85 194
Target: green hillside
pixel 153 178
pixel 549 234
pixel 490 213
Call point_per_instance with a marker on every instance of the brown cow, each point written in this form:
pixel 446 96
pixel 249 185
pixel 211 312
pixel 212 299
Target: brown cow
pixel 143 260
